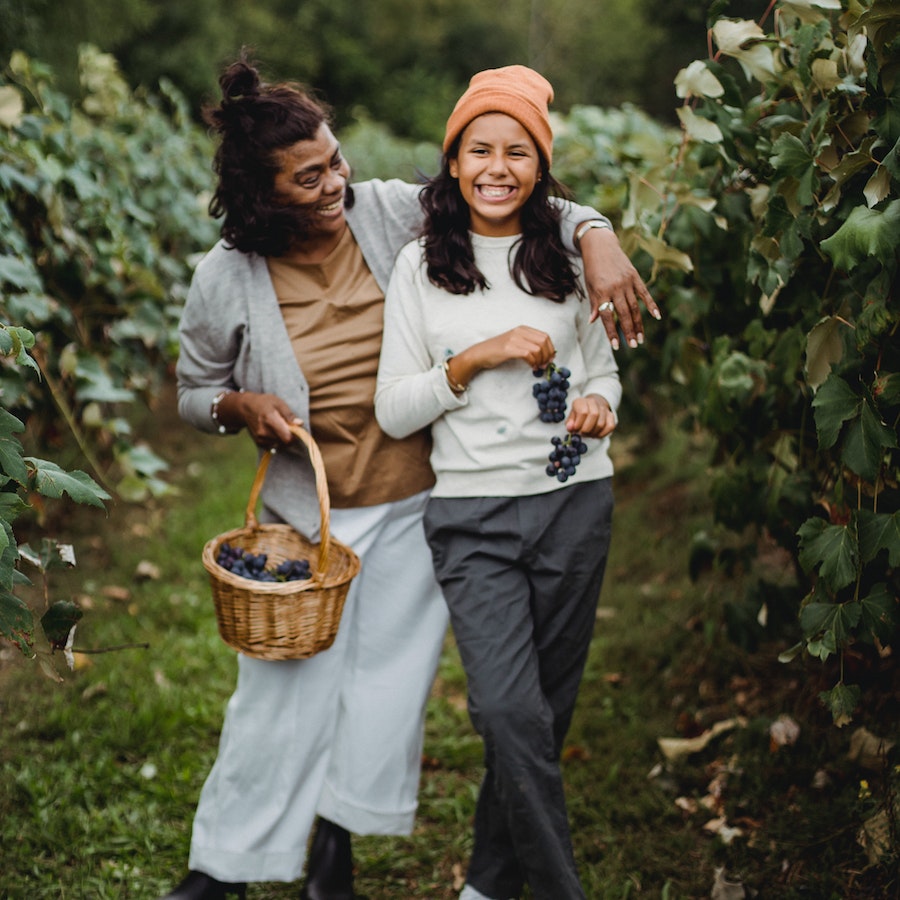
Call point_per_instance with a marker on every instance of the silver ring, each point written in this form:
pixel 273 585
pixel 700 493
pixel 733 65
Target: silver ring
pixel 603 307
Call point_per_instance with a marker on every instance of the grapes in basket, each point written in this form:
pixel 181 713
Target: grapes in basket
pixel 255 566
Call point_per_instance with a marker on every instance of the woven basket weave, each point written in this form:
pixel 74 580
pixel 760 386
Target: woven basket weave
pixel 291 619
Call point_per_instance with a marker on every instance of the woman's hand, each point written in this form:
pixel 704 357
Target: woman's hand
pixel 614 287
pixel 266 416
pixel 591 416
pixel 523 342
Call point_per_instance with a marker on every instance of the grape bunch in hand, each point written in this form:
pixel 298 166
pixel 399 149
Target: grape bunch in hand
pixel 551 391
pixel 565 456
pixel 254 566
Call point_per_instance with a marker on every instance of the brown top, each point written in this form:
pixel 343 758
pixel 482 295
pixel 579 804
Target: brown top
pixel 334 314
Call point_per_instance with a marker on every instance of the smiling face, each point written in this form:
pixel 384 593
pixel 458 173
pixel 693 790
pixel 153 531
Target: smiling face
pixel 314 175
pixel 498 166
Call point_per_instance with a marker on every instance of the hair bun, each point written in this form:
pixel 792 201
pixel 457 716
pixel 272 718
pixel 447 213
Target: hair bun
pixel 238 82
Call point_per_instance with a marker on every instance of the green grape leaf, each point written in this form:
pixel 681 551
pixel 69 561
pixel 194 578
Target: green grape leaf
pixel 58 621
pixel 816 618
pixel 823 647
pixel 845 621
pixel 833 405
pixel 865 233
pixel 833 549
pixel 879 612
pixel 16 622
pixel 12 465
pixel 791 156
pixel 841 701
pixel 879 531
pixel 867 438
pixel 52 481
pixel 20 273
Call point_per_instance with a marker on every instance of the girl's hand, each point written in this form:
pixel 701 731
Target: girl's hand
pixel 591 416
pixel 523 342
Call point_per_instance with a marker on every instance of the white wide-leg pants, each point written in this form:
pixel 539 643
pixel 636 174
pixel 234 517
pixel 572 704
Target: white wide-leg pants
pixel 340 734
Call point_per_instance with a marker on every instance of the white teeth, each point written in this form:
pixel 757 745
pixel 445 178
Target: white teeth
pixel 331 208
pixel 494 190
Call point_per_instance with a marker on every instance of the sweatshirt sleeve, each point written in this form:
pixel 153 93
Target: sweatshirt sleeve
pixel 573 215
pixel 602 370
pixel 209 344
pixel 411 390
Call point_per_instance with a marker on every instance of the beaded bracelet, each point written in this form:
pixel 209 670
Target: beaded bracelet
pixel 214 409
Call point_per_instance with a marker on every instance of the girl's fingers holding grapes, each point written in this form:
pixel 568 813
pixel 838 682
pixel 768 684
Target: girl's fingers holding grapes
pixel 591 416
pixel 532 345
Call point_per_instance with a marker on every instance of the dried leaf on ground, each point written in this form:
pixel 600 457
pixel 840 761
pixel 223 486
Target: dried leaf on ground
pixel 673 748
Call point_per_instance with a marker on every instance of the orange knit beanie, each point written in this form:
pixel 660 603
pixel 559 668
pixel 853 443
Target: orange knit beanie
pixel 519 92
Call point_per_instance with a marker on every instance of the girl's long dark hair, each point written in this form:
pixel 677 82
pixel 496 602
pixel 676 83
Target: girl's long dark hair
pixel 254 122
pixel 542 266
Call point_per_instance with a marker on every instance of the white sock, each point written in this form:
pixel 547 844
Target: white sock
pixel 469 893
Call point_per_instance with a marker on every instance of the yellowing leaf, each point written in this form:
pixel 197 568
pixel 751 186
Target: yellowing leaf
pixel 878 186
pixel 825 74
pixel 698 128
pixel 875 836
pixel 869 750
pixel 697 81
pixel 824 347
pixel 809 11
pixel 11 106
pixel 742 40
pixel 673 748
pixel 725 889
pixel 665 255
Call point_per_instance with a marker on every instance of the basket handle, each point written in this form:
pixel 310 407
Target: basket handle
pixel 315 457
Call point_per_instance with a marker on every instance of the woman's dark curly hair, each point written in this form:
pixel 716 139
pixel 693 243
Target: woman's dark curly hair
pixel 542 266
pixel 254 122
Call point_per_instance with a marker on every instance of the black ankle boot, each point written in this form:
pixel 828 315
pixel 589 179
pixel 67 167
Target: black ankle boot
pixel 330 869
pixel 198 886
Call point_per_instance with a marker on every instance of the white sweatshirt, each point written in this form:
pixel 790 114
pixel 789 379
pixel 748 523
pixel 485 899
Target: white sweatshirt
pixel 488 442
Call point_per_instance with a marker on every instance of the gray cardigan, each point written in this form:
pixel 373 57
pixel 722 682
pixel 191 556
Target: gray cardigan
pixel 232 334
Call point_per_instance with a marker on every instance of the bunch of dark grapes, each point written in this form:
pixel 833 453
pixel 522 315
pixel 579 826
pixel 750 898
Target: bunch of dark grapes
pixel 565 456
pixel 253 565
pixel 551 391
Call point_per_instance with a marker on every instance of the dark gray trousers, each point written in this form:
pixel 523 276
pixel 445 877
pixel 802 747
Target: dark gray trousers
pixel 521 577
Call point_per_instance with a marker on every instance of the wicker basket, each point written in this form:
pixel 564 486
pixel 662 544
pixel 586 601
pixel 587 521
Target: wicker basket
pixel 291 619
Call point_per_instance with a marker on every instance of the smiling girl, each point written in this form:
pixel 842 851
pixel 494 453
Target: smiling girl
pixel 485 300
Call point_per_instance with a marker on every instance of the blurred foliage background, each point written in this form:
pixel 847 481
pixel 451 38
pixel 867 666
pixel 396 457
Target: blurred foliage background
pixel 749 156
pixel 400 62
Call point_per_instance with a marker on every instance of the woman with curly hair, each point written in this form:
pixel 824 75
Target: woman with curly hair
pixel 283 323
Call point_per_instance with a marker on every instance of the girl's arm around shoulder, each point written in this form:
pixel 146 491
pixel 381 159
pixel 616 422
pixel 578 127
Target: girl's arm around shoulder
pixel 614 285
pixel 412 388
pixel 385 215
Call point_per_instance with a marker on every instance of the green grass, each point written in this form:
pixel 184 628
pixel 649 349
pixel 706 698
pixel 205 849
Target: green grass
pixel 100 774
